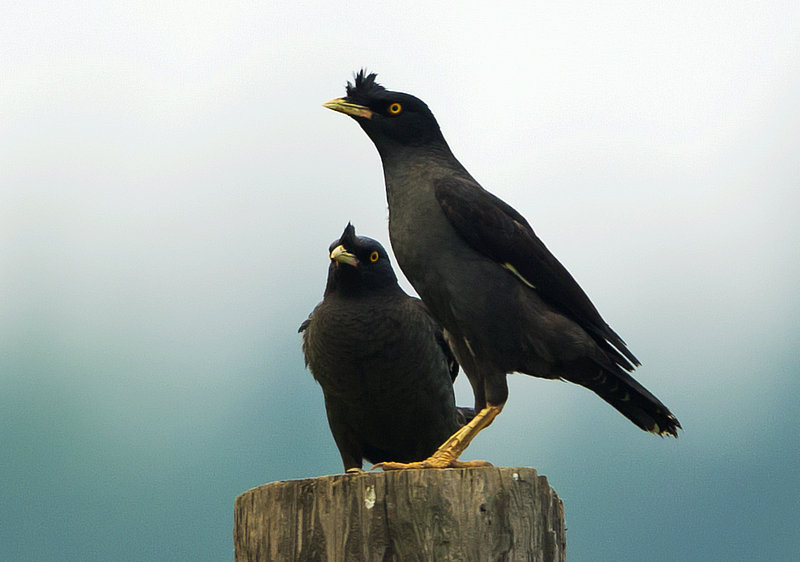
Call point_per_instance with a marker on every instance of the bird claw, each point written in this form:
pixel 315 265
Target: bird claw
pixel 432 462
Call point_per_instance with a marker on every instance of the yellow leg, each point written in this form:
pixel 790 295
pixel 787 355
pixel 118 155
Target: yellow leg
pixel 447 455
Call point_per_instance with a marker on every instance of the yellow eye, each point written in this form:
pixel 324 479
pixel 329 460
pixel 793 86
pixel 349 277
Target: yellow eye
pixel 373 257
pixel 395 108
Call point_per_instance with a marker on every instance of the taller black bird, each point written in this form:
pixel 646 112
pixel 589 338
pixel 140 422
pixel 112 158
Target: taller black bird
pixel 506 303
pixel 385 370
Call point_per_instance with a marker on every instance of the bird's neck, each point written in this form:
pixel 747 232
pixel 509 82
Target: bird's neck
pixel 364 293
pixel 393 153
pixel 411 173
pixel 411 177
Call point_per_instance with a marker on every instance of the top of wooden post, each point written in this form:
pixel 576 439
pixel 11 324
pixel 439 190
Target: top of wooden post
pixel 487 513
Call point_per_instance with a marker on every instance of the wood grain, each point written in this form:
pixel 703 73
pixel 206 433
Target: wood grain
pixel 489 513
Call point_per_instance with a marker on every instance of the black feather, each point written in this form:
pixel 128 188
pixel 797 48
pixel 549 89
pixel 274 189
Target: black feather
pixel 364 87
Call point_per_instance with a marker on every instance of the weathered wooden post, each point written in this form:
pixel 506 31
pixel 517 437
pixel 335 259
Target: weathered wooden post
pixel 488 513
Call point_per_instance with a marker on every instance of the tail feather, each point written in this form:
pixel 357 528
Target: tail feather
pixel 633 401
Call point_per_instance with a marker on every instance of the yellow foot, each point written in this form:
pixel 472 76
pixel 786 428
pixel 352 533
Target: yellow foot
pixel 447 455
pixel 354 471
pixel 431 462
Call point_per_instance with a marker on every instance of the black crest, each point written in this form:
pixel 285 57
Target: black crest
pixel 364 87
pixel 348 239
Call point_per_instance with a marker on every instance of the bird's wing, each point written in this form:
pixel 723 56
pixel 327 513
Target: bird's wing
pixel 495 229
pixel 452 363
pixel 303 330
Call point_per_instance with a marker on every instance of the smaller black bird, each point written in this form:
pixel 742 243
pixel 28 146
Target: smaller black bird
pixel 384 367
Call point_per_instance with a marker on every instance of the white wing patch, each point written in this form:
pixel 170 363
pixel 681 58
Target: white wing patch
pixel 469 346
pixel 513 270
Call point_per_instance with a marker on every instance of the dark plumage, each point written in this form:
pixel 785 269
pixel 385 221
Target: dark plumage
pixel 505 301
pixel 384 368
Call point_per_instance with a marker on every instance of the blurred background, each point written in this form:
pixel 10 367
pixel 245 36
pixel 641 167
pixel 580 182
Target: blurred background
pixel 169 185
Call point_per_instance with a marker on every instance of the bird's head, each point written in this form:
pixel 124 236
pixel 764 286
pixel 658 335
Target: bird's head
pixel 358 263
pixel 388 117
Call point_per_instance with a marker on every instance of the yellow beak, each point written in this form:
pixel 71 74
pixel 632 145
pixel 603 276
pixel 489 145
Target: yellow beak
pixel 339 254
pixel 343 106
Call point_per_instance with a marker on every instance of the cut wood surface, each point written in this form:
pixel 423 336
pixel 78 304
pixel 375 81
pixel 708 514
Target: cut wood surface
pixel 488 513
